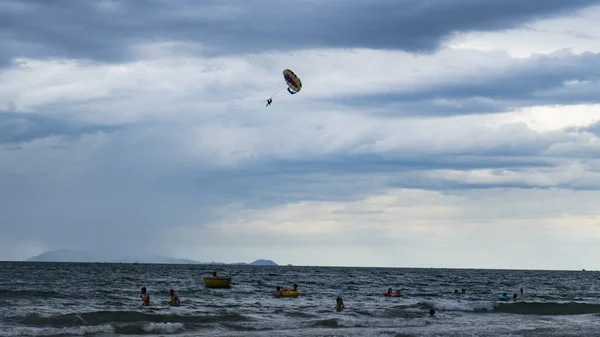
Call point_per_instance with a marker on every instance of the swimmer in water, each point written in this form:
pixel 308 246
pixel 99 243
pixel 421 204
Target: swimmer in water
pixel 431 312
pixel 278 291
pixel 174 299
pixel 504 297
pixel 339 304
pixel 390 291
pixel 398 294
pixel 145 297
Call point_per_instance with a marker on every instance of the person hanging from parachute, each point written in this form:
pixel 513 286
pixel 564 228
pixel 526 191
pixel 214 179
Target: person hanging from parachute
pixel 293 82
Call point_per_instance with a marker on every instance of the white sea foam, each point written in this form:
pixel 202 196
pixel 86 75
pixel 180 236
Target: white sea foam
pixel 70 331
pixel 461 305
pixel 164 327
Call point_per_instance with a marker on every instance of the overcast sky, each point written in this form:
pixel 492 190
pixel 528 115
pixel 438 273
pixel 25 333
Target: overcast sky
pixel 441 133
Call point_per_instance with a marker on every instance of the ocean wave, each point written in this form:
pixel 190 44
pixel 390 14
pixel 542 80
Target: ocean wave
pixel 28 294
pixel 140 329
pixel 548 308
pixel 127 329
pixel 457 305
pixel 103 317
pixel 523 308
pixel 401 313
pixel 328 323
pixel 71 331
pixel 365 313
pixel 300 314
pixel 284 325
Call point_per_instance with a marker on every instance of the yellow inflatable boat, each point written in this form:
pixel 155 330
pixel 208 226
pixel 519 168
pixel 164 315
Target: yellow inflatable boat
pixel 217 282
pixel 290 293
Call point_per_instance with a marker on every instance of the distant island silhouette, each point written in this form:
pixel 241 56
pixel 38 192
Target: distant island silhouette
pixel 68 255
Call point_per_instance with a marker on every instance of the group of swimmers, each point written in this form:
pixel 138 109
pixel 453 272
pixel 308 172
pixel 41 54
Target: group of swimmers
pixel 339 303
pixel 174 300
pixel 390 293
pixel 502 297
pixel 279 291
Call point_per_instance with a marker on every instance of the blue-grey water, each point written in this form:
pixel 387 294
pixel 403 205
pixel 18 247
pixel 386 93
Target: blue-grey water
pixel 73 299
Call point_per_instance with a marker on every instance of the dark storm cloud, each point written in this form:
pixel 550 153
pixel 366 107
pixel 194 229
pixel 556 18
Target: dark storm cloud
pixel 556 79
pixel 378 164
pixel 100 31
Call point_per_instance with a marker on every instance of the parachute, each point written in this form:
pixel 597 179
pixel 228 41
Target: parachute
pixel 293 82
pixel 293 85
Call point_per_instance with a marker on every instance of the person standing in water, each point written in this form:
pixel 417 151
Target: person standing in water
pixel 339 304
pixel 174 299
pixel 145 297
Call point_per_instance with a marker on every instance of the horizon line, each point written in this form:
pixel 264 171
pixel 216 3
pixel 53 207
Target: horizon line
pixel 299 265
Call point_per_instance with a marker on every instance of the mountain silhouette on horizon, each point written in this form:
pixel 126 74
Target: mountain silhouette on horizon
pixel 69 255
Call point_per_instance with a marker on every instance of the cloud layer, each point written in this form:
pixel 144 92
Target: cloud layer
pixel 106 30
pixel 128 128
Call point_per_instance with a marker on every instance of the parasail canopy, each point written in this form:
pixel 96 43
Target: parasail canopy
pixel 293 82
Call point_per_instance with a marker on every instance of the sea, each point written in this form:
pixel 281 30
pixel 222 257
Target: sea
pixel 103 299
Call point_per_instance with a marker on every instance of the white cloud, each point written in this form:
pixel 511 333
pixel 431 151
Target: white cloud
pixel 503 228
pixel 166 77
pixel 190 90
pixel 550 118
pixel 578 31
